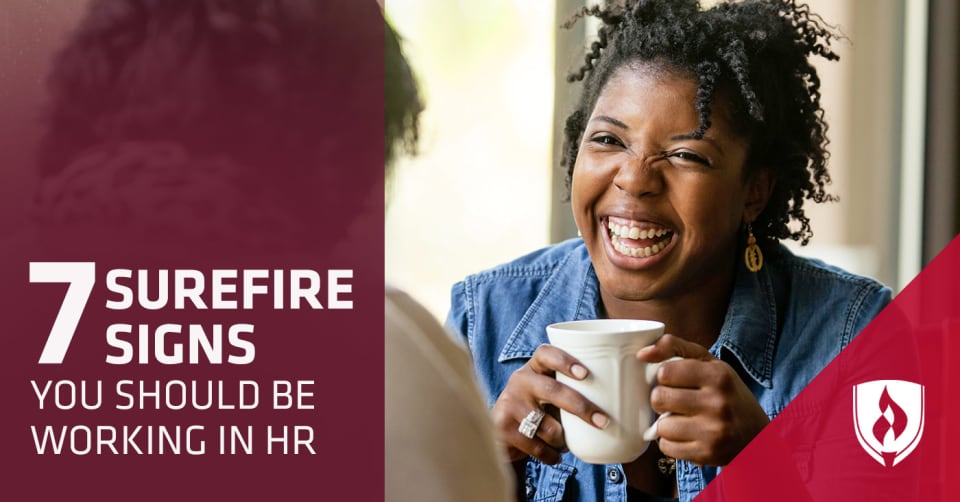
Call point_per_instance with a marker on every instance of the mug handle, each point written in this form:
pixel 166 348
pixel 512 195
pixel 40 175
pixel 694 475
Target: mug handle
pixel 653 432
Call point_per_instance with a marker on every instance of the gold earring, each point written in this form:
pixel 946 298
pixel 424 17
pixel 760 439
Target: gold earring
pixel 752 256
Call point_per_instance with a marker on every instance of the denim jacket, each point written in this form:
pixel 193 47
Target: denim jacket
pixel 782 326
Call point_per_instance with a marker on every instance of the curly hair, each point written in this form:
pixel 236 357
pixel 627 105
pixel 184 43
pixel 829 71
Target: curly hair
pixel 760 51
pixel 259 79
pixel 402 103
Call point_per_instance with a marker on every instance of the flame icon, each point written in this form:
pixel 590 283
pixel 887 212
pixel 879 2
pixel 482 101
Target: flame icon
pixel 888 430
pixel 883 424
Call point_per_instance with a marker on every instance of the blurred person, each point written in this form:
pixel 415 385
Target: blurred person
pixel 208 122
pixel 696 142
pixel 440 444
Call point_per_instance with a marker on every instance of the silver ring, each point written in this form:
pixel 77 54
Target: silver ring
pixel 531 423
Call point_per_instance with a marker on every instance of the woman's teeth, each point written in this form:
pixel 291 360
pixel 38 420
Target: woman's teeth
pixel 618 233
pixel 628 232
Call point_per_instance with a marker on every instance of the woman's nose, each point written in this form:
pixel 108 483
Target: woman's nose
pixel 641 177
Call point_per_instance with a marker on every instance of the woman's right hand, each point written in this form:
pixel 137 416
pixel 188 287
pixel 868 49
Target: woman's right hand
pixel 532 387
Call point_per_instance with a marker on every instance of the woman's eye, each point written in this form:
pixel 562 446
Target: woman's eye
pixel 690 157
pixel 607 140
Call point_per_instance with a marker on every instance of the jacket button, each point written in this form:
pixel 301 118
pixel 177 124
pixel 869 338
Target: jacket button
pixel 614 475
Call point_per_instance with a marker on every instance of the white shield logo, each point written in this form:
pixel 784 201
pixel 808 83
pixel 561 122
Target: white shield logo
pixel 888 418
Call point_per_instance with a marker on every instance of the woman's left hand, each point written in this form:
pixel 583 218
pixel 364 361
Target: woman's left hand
pixel 713 415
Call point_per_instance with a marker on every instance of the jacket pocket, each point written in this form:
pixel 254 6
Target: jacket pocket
pixel 547 483
pixel 803 423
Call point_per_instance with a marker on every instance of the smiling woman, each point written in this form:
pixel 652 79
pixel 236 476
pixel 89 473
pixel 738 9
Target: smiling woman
pixel 697 140
pixel 659 208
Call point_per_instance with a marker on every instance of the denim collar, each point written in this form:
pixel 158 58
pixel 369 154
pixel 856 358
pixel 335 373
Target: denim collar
pixel 571 293
pixel 749 331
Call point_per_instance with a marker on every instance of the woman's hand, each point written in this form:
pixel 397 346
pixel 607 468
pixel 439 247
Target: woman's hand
pixel 532 387
pixel 713 413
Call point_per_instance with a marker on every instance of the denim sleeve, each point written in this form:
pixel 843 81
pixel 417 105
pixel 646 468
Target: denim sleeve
pixel 871 301
pixel 460 326
pixel 458 319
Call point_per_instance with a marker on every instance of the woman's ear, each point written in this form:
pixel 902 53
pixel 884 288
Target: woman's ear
pixel 759 187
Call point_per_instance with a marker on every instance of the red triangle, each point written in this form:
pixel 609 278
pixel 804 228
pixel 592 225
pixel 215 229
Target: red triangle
pixel 811 450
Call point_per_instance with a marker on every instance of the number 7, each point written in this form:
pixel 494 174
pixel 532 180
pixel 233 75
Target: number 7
pixel 81 277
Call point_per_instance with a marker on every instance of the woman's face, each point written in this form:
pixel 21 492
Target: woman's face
pixel 659 210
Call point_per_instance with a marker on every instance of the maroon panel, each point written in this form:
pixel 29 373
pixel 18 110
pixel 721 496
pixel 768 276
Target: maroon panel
pixel 232 152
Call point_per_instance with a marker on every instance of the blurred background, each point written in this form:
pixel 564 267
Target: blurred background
pixel 487 187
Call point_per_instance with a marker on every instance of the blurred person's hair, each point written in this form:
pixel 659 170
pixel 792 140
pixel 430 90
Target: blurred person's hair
pixel 253 115
pixel 402 104
pixel 261 80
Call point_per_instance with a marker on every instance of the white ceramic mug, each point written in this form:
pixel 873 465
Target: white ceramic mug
pixel 617 382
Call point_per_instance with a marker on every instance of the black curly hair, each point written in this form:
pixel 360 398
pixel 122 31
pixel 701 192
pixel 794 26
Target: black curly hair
pixel 402 104
pixel 759 51
pixel 254 78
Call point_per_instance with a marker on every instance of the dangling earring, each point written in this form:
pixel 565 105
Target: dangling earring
pixel 752 256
